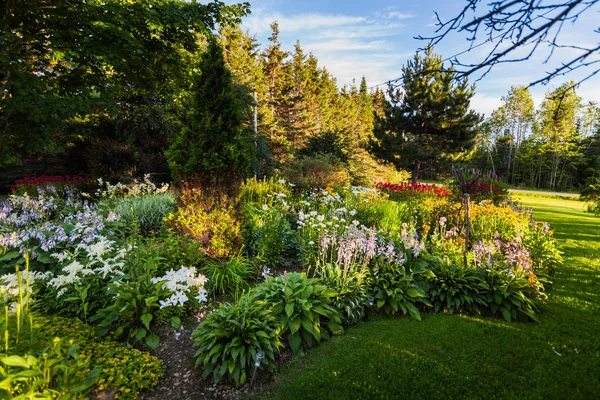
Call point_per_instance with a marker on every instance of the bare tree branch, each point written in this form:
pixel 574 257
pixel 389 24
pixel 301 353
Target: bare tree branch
pixel 511 25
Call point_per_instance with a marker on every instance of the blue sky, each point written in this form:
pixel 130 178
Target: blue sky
pixel 374 38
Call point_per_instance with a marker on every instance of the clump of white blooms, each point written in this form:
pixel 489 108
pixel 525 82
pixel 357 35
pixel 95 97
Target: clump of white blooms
pixel 180 283
pixel 102 258
pixel 9 283
pixel 139 188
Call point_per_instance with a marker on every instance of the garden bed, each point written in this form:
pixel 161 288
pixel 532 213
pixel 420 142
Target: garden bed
pixel 268 270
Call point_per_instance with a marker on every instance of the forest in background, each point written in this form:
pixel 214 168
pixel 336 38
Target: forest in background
pixel 106 88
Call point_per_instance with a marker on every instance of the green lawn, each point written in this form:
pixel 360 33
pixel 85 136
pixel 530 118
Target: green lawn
pixel 447 357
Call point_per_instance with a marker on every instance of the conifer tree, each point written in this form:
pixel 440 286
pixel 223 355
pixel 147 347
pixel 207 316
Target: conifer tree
pixel 215 145
pixel 429 119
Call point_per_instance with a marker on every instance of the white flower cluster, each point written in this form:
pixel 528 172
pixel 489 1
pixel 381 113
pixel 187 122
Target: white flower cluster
pixel 9 283
pixel 139 188
pixel 100 258
pixel 180 283
pixel 365 194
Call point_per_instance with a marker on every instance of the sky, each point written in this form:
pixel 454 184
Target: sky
pixel 375 38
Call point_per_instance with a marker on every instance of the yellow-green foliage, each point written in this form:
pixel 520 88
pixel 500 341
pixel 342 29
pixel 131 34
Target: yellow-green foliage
pixel 212 218
pixel 488 219
pixel 128 370
pixel 264 191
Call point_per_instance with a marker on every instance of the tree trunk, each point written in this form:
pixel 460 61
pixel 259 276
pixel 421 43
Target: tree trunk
pixel 416 170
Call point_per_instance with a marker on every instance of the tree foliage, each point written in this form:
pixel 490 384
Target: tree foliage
pixel 429 118
pixel 68 67
pixel 215 144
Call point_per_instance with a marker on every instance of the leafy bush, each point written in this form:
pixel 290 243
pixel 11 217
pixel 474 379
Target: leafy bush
pixel 211 217
pixel 174 250
pixel 236 340
pixel 269 235
pixel 513 297
pixel 488 221
pixel 351 286
pixel 591 194
pixel 317 171
pixel 455 289
pixel 228 277
pixel 141 297
pixel 147 212
pixel 303 307
pixel 125 369
pixel 543 249
pixel 395 289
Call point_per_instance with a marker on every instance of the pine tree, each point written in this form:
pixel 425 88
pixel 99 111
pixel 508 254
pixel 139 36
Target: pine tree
pixel 429 121
pixel 214 146
pixel 279 84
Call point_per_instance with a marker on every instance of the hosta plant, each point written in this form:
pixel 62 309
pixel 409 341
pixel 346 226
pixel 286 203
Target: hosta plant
pixel 516 298
pixel 395 290
pixel 236 340
pixel 303 306
pixel 455 289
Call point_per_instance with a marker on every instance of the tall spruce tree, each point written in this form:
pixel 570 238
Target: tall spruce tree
pixel 215 145
pixel 429 120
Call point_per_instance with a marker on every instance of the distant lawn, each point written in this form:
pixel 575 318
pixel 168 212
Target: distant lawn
pixel 448 357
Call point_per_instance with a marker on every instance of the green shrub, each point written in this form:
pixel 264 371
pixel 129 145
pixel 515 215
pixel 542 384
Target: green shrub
pixel 455 289
pixel 317 171
pixel 269 235
pixel 303 306
pixel 543 249
pixel 128 370
pixel 210 217
pixel 147 212
pixel 351 286
pixel 395 289
pixel 516 298
pixel 228 277
pixel 236 340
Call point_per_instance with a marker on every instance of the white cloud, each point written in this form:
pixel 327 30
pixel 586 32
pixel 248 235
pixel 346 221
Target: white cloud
pixel 359 32
pixel 343 45
pixel 260 23
pixel 484 104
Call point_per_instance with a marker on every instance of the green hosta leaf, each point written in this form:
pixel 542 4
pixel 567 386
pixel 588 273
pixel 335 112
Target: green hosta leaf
pixel 152 341
pixel 295 325
pixel 289 309
pixel 146 318
pixel 294 341
pixel 412 292
pixel 10 255
pixel 414 312
pixel 176 322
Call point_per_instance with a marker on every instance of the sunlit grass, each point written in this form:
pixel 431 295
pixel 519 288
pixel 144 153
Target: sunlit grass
pixel 446 357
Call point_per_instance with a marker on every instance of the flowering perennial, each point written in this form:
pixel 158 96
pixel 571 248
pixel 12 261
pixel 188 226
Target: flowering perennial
pixel 180 283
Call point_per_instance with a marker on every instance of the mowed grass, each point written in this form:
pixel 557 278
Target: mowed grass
pixel 458 356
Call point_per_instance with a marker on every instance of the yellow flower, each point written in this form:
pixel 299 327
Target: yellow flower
pixel 56 340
